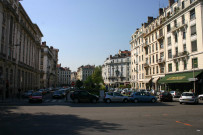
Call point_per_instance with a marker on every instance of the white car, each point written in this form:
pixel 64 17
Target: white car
pixel 200 96
pixel 188 97
pixel 115 97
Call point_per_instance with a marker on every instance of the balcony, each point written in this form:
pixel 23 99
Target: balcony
pixel 181 55
pixel 146 65
pixel 160 37
pixel 160 61
pixel 146 44
pixel 178 27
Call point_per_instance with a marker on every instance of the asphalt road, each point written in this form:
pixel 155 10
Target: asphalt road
pixel 168 118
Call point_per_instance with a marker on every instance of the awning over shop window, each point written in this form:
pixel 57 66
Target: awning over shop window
pixel 179 77
pixel 146 80
pixel 155 79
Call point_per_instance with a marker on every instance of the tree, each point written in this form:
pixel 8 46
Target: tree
pixel 79 83
pixel 97 77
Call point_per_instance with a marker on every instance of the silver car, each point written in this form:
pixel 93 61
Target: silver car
pixel 188 97
pixel 115 97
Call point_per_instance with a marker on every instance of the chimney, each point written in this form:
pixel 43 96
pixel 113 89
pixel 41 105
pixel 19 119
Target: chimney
pixel 161 11
pixel 171 2
pixel 150 19
pixel 44 43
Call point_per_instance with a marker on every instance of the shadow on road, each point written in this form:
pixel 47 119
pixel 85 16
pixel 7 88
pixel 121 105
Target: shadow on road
pixel 50 124
pixel 118 104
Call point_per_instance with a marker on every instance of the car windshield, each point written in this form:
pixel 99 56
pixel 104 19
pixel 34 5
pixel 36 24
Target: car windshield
pixel 57 92
pixel 36 94
pixel 188 94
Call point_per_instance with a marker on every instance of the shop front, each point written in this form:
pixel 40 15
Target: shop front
pixel 185 81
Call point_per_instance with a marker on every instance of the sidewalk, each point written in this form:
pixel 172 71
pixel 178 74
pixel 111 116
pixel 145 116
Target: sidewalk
pixel 12 100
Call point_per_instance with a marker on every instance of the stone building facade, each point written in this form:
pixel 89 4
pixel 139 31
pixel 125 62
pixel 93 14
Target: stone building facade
pixel 85 71
pixel 116 70
pixel 48 66
pixel 173 48
pixel 20 42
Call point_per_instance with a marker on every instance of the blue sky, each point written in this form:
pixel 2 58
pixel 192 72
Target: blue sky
pixel 88 31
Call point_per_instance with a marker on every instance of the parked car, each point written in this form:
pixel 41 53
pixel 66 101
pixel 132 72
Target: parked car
pixel 142 97
pixel 57 94
pixel 63 91
pixel 188 97
pixel 42 91
pixel 27 93
pixel 175 94
pixel 200 96
pixel 115 97
pixel 83 96
pixel 35 97
pixel 165 96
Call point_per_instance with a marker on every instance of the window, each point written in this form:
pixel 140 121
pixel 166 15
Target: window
pixel 193 30
pixel 184 48
pixel 169 54
pixel 194 63
pixel 157 69
pixel 156 47
pixel 176 51
pixel 185 64
pixel 192 14
pixel 177 66
pixel 191 1
pixel 183 19
pixel 183 5
pixel 169 41
pixel 184 35
pixel 170 67
pixel 194 45
pixel 175 23
pixel 153 48
pixel 176 38
pixel 161 44
pixel 168 28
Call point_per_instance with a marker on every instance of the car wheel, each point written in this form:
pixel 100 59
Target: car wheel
pixel 125 100
pixel 153 100
pixel 180 102
pixel 201 98
pixel 94 100
pixel 108 100
pixel 76 100
pixel 135 100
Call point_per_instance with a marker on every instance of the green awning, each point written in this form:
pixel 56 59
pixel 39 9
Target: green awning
pixel 179 77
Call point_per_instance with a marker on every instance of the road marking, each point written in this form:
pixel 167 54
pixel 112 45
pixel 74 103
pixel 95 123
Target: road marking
pixel 198 130
pixel 186 124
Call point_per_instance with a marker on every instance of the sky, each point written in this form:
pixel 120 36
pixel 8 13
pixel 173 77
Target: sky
pixel 89 31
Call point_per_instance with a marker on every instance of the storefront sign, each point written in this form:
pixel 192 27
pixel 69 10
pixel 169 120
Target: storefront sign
pixel 176 78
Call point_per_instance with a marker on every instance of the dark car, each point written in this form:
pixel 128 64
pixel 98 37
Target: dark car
pixel 57 94
pixel 166 96
pixel 83 96
pixel 35 97
pixel 27 93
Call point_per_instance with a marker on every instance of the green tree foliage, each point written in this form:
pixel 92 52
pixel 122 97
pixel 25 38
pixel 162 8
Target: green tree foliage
pixel 95 81
pixel 79 83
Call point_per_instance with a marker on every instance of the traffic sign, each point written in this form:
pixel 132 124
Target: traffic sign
pixel 192 79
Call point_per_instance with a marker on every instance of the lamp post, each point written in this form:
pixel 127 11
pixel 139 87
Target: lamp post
pixel 117 73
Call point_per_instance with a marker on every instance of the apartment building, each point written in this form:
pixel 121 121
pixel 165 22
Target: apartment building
pixel 64 76
pixel 116 69
pixel 48 66
pixel 84 72
pixel 73 77
pixel 20 42
pixel 173 47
